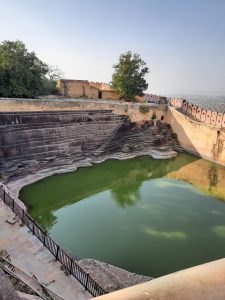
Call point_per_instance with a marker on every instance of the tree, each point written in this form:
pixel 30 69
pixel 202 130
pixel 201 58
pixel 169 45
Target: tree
pixel 22 74
pixel 128 79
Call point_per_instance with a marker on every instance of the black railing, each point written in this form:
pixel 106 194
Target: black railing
pixel 68 262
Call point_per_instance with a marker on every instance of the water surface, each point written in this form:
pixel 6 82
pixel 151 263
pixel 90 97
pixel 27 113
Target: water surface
pixel 148 216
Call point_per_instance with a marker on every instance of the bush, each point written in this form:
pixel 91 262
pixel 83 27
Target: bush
pixel 153 117
pixel 144 109
pixel 174 135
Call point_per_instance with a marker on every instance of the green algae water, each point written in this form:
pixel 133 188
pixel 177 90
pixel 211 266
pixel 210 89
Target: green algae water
pixel 148 216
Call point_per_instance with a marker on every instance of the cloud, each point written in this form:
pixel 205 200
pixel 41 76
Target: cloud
pixel 165 234
pixel 219 231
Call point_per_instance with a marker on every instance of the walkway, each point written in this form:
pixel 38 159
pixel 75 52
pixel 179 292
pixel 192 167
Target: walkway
pixel 28 254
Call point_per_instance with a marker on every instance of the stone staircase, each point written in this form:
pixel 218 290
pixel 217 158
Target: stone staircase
pixel 130 139
pixel 31 141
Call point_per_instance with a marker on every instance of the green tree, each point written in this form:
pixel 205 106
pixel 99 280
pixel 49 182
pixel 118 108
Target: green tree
pixel 128 78
pixel 22 74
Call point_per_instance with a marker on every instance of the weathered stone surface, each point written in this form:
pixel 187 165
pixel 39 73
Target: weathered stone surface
pixel 34 141
pixel 7 290
pixel 109 277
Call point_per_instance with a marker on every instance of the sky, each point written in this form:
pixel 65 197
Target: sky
pixel 182 41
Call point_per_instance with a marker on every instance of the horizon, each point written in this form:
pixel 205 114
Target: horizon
pixel 182 42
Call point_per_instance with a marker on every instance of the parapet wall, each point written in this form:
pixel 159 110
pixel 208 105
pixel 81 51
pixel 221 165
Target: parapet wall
pixel 205 116
pixel 203 282
pixel 199 138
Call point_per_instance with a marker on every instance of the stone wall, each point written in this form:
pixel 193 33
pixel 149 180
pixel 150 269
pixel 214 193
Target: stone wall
pixel 84 88
pixel 118 107
pixel 200 138
pixel 203 282
pixel 77 88
pixel 31 141
pixel 38 140
pixel 109 95
pixel 205 116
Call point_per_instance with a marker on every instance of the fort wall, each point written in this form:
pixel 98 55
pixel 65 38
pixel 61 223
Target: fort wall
pixel 200 114
pixel 199 138
pixel 199 131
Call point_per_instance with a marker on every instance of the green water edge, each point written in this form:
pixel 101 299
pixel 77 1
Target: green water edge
pixel 132 214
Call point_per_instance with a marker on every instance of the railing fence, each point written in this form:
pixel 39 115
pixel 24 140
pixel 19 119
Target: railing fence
pixel 68 262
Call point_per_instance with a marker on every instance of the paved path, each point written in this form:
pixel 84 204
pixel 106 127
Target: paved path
pixel 28 254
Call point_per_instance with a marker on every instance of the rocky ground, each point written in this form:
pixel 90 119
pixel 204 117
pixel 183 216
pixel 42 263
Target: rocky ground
pixel 109 277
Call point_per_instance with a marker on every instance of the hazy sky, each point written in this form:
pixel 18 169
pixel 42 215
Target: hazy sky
pixel 182 41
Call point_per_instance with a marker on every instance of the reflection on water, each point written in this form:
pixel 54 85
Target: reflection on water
pixel 204 175
pixel 140 214
pixel 213 177
pixel 165 234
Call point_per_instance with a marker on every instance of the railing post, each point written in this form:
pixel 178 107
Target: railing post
pixel 44 238
pixel 86 283
pixel 71 265
pixel 12 204
pixel 57 253
pixel 4 196
pixel 33 228
pixel 23 216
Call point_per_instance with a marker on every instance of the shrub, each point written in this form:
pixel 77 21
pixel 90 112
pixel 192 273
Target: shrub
pixel 174 135
pixel 144 109
pixel 153 117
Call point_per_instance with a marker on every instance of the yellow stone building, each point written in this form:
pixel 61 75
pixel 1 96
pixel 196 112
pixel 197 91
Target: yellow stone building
pixel 85 88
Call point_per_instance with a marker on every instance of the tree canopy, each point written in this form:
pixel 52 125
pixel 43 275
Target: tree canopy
pixel 22 74
pixel 128 77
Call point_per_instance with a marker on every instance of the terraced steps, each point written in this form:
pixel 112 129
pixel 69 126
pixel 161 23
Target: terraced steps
pixel 32 141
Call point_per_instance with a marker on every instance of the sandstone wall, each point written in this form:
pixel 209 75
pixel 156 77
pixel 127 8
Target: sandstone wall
pixel 77 88
pixel 120 108
pixel 84 88
pixel 110 95
pixel 205 116
pixel 202 139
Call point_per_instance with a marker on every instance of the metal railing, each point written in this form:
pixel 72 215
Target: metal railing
pixel 68 262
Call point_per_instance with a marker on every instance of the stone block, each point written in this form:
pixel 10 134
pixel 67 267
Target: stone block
pixel 198 113
pixel 219 119
pixel 213 118
pixel 190 108
pixel 203 115
pixel 223 121
pixel 194 110
pixel 184 106
pixel 208 117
